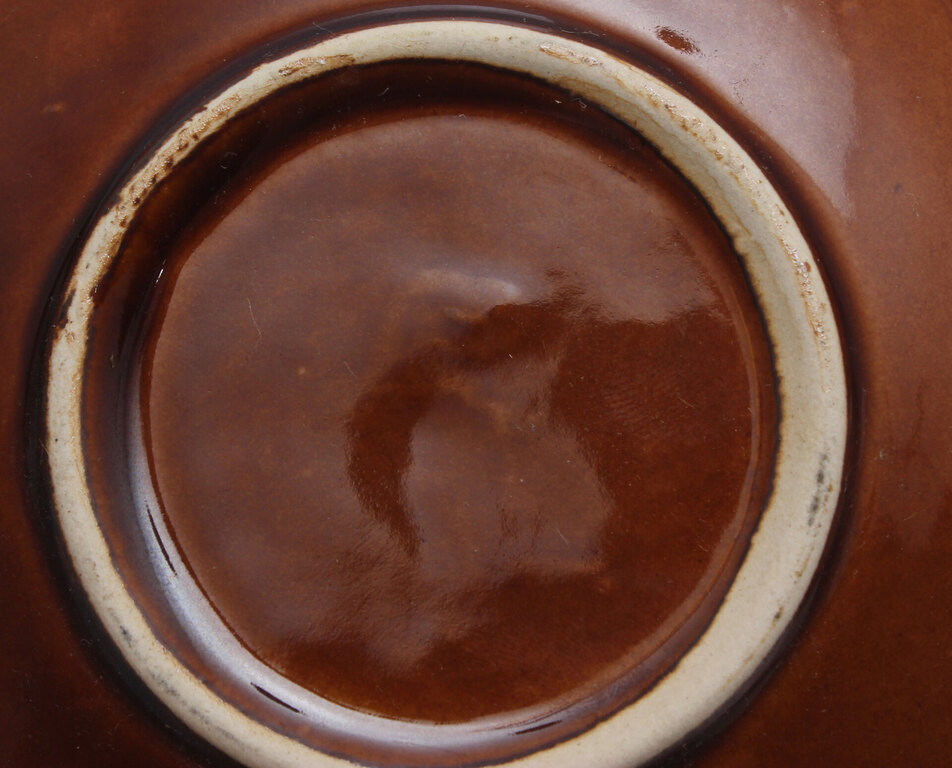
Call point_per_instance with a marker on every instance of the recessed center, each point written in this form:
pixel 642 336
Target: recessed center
pixel 457 403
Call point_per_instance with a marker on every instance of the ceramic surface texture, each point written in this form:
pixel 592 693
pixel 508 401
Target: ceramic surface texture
pixel 844 106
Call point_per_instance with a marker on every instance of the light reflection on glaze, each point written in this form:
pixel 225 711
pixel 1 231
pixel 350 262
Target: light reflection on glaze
pixel 743 50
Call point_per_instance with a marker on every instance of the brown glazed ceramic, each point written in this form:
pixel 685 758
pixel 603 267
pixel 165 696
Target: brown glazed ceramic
pixel 426 394
pixel 405 407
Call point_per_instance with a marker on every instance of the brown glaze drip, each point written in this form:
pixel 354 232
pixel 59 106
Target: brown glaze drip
pixel 454 395
pixel 676 40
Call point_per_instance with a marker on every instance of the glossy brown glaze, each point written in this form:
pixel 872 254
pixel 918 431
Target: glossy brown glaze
pixel 454 397
pixel 821 94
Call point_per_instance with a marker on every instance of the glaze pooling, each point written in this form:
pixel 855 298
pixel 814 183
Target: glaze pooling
pixel 454 408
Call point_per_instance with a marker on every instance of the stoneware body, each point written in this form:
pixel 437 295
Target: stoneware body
pixel 494 295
